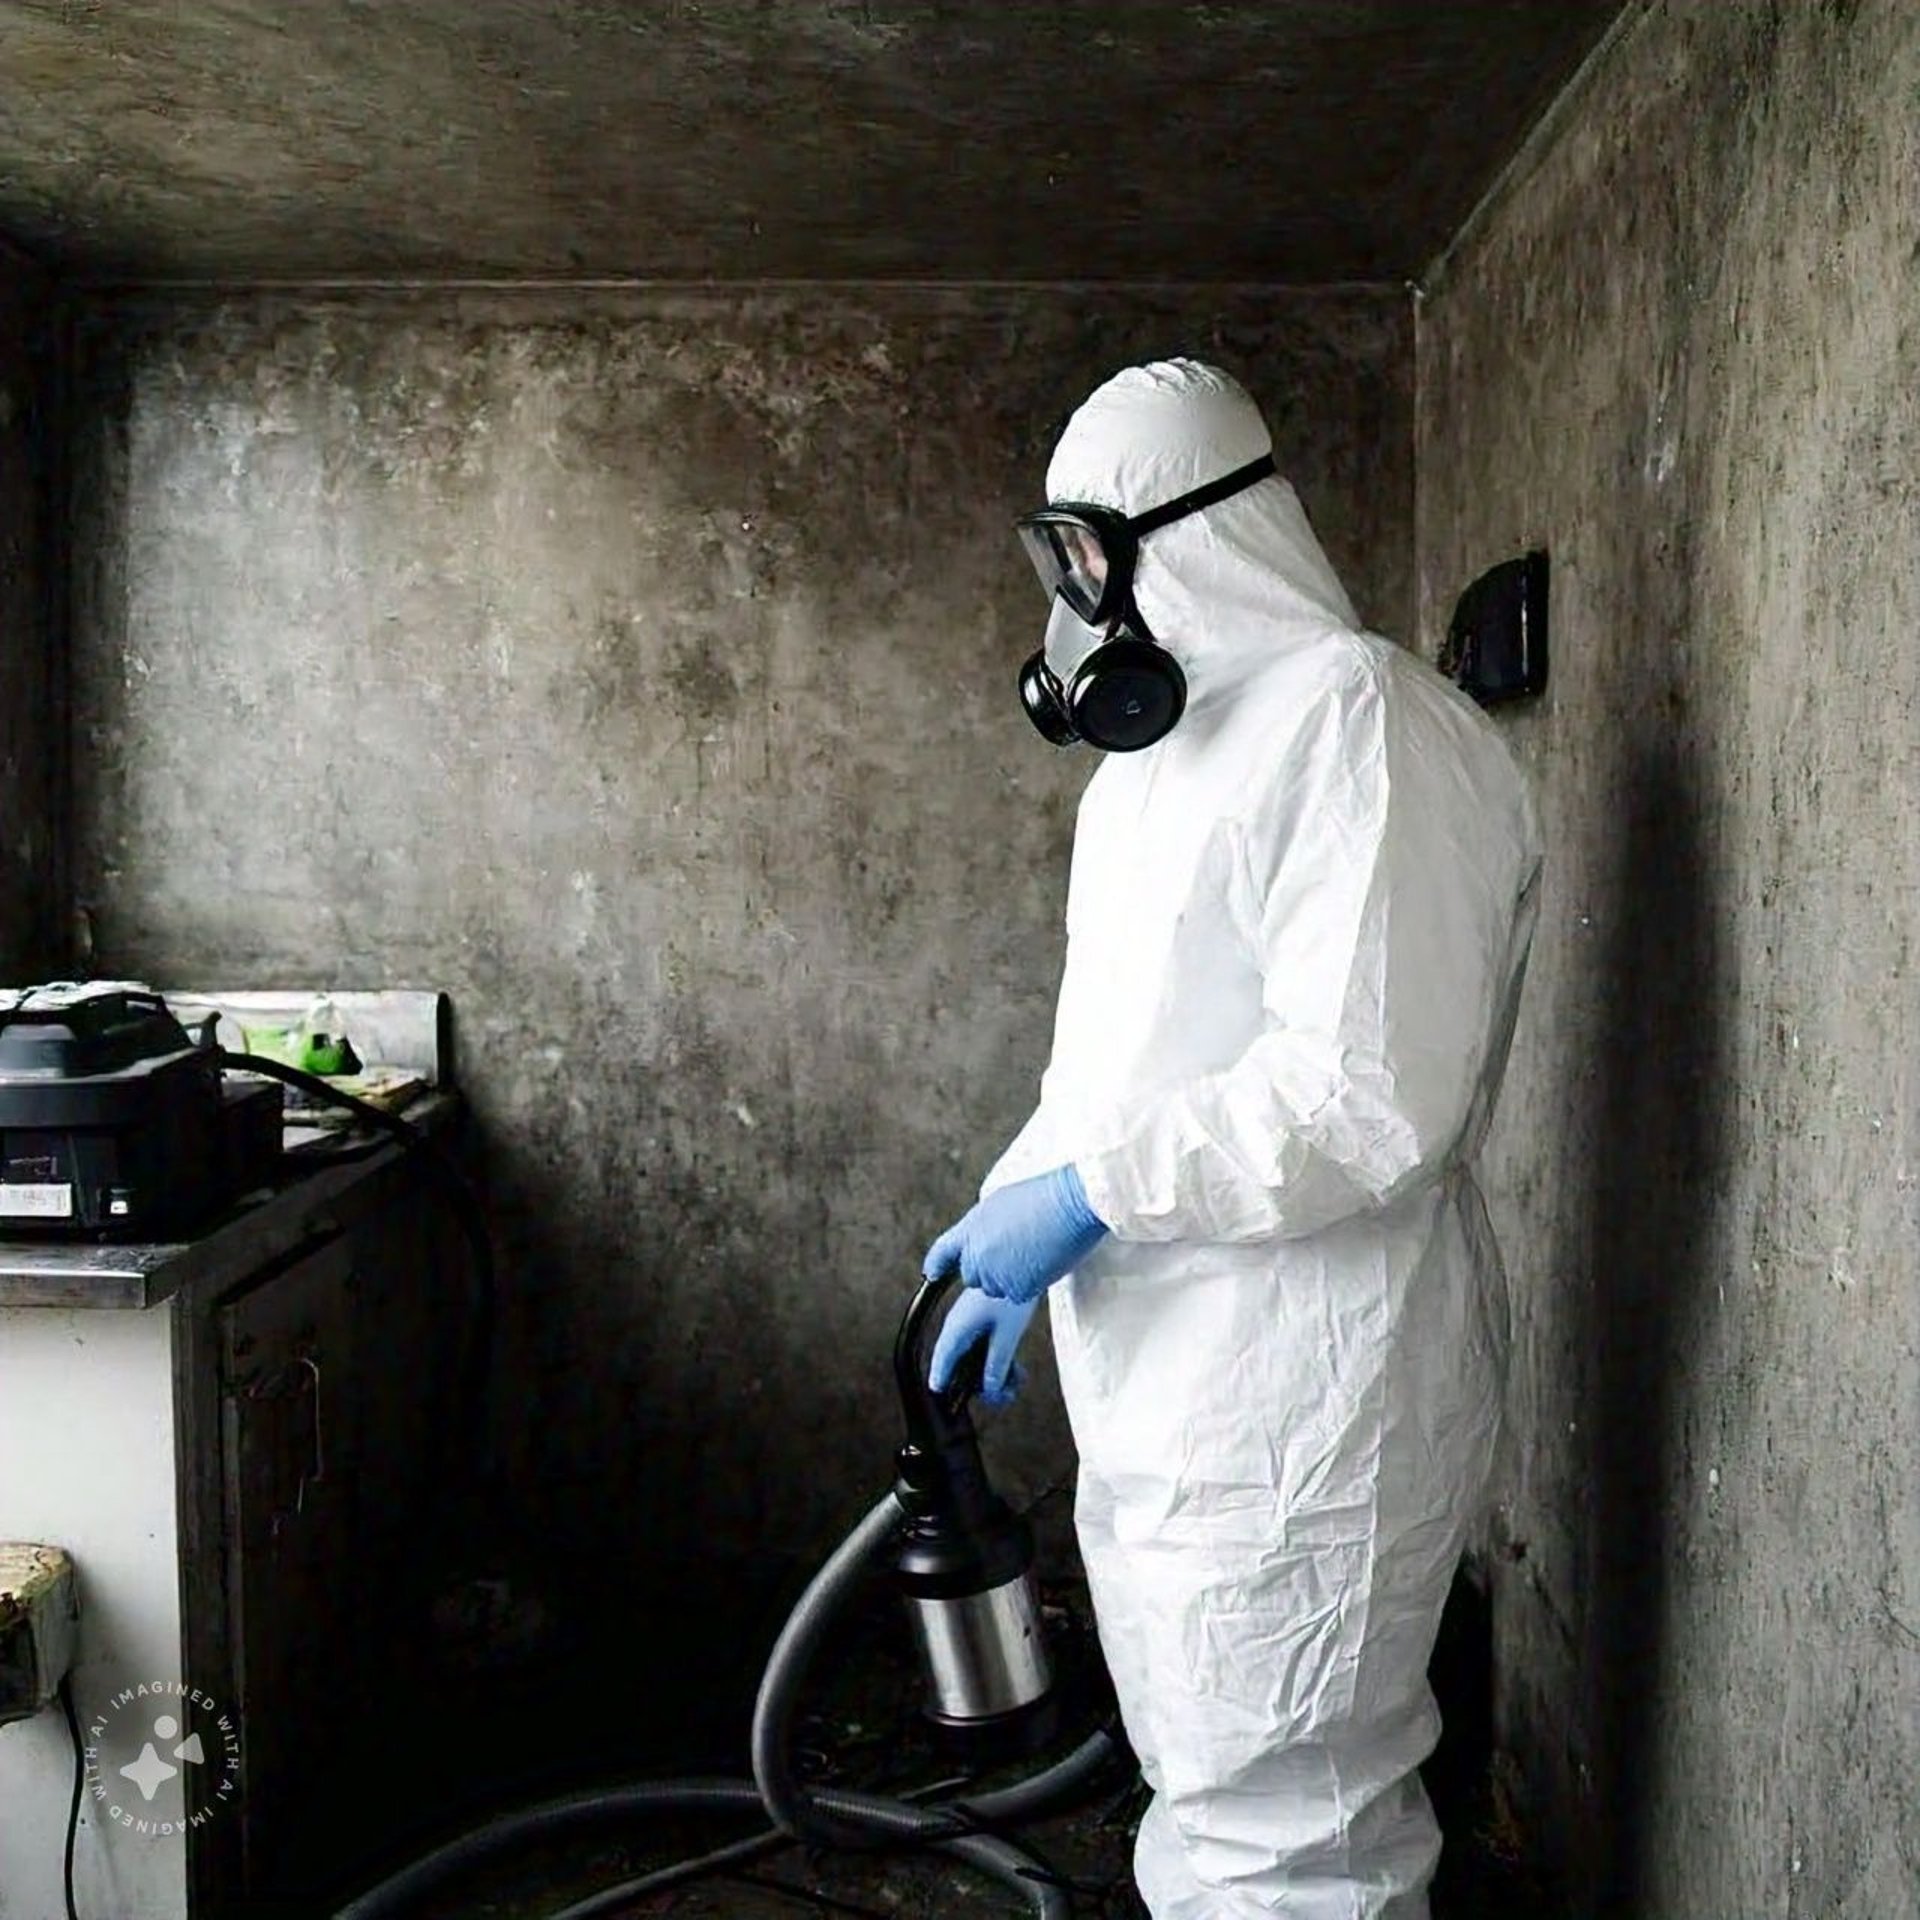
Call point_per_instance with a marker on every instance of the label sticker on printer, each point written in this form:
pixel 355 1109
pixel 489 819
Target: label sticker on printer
pixel 39 1200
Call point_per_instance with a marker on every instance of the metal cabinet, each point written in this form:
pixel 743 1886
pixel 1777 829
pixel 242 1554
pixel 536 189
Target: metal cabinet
pixel 336 1412
pixel 290 1460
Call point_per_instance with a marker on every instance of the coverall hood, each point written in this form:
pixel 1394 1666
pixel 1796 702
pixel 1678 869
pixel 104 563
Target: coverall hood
pixel 1229 589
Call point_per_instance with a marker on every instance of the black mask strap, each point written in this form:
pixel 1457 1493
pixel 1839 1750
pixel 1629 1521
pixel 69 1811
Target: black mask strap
pixel 1238 481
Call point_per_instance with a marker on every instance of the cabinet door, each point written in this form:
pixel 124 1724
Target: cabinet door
pixel 291 1457
pixel 414 1417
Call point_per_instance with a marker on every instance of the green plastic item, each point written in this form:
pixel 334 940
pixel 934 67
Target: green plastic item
pixel 326 1053
pixel 303 1047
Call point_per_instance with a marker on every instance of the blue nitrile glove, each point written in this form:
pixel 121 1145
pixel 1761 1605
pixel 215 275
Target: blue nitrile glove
pixel 1016 1243
pixel 1000 1324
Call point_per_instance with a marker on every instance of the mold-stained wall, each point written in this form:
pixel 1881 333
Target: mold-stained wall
pixel 1683 352
pixel 31 925
pixel 640 668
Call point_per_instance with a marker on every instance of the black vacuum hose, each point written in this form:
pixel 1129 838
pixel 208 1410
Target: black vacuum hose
pixel 790 1807
pixel 880 1819
pixel 824 1814
pixel 827 1817
pixel 1055 1789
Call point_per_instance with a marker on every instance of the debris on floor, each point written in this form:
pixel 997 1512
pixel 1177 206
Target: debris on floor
pixel 866 1732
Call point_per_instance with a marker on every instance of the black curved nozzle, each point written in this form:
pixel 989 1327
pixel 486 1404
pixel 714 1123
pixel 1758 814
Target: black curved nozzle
pixel 928 1411
pixel 940 1465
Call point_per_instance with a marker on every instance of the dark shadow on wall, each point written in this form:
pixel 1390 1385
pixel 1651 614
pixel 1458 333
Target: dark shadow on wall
pixel 34 921
pixel 1658 1104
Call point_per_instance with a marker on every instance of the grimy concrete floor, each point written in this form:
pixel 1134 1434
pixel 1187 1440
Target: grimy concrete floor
pixel 867 1734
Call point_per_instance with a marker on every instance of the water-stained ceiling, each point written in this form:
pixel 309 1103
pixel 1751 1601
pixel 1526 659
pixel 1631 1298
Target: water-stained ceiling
pixel 1283 141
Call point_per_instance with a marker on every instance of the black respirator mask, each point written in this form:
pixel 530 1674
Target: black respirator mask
pixel 1101 677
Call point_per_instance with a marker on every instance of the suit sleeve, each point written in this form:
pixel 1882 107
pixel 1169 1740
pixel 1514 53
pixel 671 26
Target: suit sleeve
pixel 1030 1152
pixel 1382 920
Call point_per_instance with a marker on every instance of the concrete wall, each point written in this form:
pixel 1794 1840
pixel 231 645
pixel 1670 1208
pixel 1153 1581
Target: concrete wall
pixel 31 926
pixel 640 668
pixel 1683 352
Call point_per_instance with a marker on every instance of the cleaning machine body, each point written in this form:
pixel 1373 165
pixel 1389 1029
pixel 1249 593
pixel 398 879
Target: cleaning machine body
pixel 114 1124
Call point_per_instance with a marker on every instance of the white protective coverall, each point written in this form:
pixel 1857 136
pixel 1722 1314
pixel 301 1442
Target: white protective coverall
pixel 1297 929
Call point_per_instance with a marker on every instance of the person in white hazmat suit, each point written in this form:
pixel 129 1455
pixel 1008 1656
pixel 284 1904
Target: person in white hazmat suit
pixel 1300 905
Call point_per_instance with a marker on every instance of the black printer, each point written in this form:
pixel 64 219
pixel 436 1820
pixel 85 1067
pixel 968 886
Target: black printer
pixel 114 1124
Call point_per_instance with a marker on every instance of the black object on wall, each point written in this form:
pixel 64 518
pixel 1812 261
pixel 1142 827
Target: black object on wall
pixel 1496 646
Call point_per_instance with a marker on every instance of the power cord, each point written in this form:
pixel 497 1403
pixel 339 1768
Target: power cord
pixel 79 1788
pixel 471 1213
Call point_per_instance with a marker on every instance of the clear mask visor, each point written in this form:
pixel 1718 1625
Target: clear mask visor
pixel 1071 560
